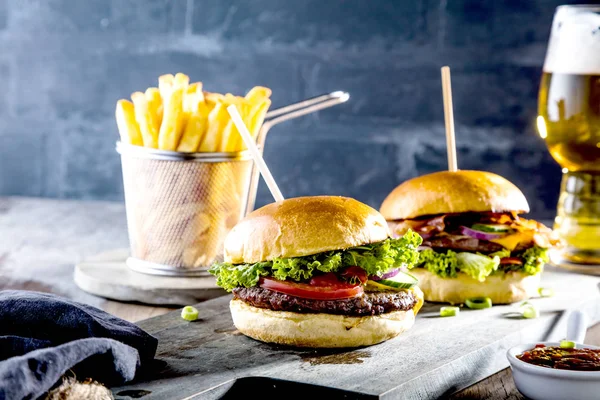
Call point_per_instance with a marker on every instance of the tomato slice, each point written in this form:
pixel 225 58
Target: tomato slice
pixel 354 274
pixel 511 260
pixel 323 287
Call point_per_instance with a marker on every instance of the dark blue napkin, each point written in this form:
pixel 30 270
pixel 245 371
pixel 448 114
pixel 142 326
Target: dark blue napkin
pixel 42 336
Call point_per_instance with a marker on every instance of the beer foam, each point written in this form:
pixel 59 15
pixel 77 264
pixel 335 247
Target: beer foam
pixel 574 46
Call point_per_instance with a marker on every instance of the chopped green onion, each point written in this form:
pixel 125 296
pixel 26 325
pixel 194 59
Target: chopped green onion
pixel 529 311
pixel 546 292
pixel 567 344
pixel 189 313
pixel 478 303
pixel 449 311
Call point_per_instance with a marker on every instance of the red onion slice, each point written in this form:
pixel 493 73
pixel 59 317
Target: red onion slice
pixel 387 275
pixel 480 235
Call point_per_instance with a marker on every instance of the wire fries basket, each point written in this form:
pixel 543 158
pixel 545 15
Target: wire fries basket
pixel 180 206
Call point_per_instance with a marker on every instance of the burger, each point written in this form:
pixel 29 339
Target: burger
pixel 319 272
pixel 475 243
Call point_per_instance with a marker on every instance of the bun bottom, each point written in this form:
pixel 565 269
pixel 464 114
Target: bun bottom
pixel 317 329
pixel 502 288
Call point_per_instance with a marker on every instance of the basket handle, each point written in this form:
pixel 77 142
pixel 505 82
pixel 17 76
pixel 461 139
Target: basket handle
pixel 299 109
pixel 286 113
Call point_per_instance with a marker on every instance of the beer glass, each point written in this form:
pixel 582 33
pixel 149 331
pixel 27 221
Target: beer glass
pixel 569 122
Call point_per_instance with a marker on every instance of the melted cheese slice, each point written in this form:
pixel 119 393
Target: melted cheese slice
pixel 420 298
pixel 512 241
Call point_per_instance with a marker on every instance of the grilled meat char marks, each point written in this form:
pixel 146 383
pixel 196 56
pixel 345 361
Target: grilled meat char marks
pixel 462 243
pixel 369 303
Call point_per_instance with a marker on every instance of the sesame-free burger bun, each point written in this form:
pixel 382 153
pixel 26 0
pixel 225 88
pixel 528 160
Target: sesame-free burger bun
pixel 303 226
pixel 317 329
pixel 503 288
pixel 448 192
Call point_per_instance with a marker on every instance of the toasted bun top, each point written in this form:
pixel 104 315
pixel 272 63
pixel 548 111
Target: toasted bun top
pixel 453 192
pixel 303 226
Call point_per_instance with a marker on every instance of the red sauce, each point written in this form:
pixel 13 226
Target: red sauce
pixel 559 358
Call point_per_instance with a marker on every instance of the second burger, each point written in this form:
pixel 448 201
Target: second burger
pixel 476 245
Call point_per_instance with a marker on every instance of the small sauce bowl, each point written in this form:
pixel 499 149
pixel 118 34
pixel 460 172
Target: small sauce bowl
pixel 542 383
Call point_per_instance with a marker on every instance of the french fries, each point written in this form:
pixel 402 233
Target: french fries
pixel 179 116
pixel 145 119
pixel 178 215
pixel 155 106
pixel 217 121
pixel 195 128
pixel 258 93
pixel 165 85
pixel 171 128
pixel 128 126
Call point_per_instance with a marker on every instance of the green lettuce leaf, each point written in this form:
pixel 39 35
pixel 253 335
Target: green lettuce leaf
pixel 379 258
pixel 442 264
pixel 375 259
pixel 477 266
pixel 247 275
pixel 501 253
pixel 534 259
pixel 302 268
pixel 447 265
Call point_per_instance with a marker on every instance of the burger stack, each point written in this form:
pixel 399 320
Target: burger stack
pixel 319 272
pixel 475 243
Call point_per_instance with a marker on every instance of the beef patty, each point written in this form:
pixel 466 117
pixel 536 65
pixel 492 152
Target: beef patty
pixel 369 303
pixel 462 243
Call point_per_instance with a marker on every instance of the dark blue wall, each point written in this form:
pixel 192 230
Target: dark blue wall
pixel 64 64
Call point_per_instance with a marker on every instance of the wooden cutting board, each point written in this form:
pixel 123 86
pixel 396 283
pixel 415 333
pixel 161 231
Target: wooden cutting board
pixel 209 359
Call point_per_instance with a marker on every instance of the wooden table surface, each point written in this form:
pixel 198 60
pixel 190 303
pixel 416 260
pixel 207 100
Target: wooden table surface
pixel 42 239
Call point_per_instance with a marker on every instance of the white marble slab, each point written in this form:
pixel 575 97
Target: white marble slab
pixel 107 275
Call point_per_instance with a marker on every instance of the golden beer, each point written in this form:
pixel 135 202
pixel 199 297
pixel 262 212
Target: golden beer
pixel 569 122
pixel 570 106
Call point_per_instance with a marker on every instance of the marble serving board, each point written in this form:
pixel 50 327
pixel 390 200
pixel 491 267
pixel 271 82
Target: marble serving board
pixel 209 359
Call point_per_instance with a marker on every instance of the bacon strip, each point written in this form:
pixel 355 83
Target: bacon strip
pixel 424 227
pixel 431 227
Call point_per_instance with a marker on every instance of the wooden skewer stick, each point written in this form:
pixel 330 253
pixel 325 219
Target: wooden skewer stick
pixel 449 119
pixel 258 159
